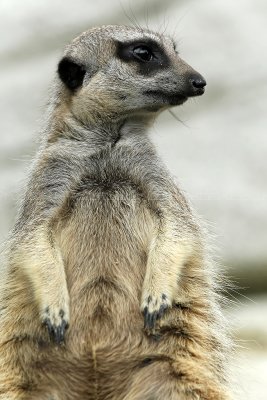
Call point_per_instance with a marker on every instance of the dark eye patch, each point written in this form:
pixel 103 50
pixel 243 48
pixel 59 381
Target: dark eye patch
pixel 126 51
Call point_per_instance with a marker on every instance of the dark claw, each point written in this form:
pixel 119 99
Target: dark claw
pixel 56 332
pixel 150 319
pixel 162 310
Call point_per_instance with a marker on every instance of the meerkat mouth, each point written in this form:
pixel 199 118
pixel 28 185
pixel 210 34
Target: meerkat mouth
pixel 172 99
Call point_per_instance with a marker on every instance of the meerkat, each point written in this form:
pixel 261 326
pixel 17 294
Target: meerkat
pixel 108 292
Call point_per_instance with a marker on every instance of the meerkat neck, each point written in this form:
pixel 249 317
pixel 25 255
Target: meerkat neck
pixel 101 132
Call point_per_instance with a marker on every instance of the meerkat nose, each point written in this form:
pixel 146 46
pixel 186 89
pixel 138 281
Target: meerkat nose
pixel 197 84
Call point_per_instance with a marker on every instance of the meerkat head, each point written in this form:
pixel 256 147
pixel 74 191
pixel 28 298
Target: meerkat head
pixel 118 71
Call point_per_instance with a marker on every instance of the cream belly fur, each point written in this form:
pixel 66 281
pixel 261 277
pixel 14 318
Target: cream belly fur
pixel 109 275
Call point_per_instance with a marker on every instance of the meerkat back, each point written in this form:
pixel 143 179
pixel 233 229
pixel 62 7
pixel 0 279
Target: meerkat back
pixel 108 292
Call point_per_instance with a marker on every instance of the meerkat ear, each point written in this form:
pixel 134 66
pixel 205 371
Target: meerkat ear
pixel 71 73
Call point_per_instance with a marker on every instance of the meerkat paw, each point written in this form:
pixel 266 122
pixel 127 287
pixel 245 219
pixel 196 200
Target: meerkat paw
pixel 153 308
pixel 56 320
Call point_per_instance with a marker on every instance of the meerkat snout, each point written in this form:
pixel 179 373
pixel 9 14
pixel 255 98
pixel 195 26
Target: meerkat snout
pixel 129 71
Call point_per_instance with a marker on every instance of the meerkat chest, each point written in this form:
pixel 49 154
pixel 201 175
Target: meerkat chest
pixel 104 241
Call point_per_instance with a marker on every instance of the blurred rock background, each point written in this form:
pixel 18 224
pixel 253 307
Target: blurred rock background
pixel 217 153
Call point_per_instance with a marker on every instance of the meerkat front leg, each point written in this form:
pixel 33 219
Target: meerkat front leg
pixel 40 259
pixel 167 255
pixel 171 245
pixel 34 250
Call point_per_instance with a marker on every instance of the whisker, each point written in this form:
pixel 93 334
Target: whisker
pixel 178 119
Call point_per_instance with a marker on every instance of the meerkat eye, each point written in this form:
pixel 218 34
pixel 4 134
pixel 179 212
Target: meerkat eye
pixel 143 53
pixel 147 54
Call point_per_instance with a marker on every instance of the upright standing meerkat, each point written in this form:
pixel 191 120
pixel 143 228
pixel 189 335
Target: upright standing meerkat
pixel 106 245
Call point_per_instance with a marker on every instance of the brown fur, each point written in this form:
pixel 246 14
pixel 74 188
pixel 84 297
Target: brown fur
pixel 103 240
